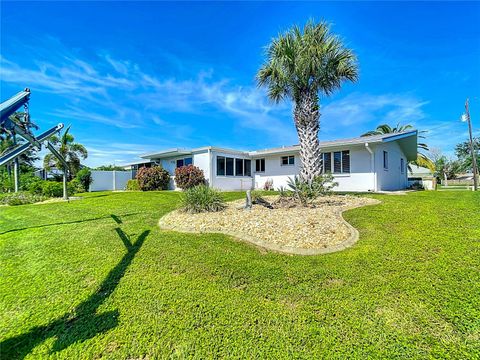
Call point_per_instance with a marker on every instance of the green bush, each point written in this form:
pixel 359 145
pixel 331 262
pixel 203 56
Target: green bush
pixel 75 186
pixel 132 185
pixel 154 178
pixel 55 189
pixel 189 176
pixel 202 198
pixel 84 177
pixel 20 198
pixel 305 193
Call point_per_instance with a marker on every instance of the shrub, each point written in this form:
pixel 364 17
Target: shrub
pixel 84 176
pixel 20 198
pixel 202 198
pixel 75 186
pixel 132 185
pixel 55 189
pixel 154 178
pixel 189 176
pixel 305 193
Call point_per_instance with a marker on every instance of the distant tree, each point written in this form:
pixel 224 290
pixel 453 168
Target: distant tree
pixel 110 168
pixel 464 155
pixel 302 65
pixel 446 169
pixel 422 159
pixel 69 149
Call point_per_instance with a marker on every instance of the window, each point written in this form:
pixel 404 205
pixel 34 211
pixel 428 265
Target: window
pixel 402 165
pixel 238 167
pixel 341 162
pixel 337 162
pixel 248 167
pixel 220 165
pixel 184 162
pixel 346 161
pixel 288 160
pixel 229 166
pixel 385 160
pixel 327 162
pixel 260 165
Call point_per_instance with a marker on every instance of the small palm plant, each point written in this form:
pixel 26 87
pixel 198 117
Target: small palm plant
pixel 302 65
pixel 71 151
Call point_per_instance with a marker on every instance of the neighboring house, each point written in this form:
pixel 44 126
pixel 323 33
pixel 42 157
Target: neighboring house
pixel 418 175
pixel 371 163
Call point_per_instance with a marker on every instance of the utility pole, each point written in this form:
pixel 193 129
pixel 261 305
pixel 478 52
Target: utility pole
pixel 472 149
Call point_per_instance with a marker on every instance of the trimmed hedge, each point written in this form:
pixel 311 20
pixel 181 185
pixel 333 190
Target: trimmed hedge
pixel 189 176
pixel 132 185
pixel 153 178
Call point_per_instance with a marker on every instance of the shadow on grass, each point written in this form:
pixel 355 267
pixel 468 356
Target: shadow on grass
pixel 84 322
pixel 114 217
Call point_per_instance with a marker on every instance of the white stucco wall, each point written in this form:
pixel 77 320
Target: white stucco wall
pixel 360 177
pixel 390 179
pixel 275 171
pixel 230 182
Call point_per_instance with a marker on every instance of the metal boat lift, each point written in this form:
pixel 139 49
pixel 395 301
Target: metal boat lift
pixel 9 125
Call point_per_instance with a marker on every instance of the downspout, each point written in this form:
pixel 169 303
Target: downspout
pixel 210 167
pixel 372 166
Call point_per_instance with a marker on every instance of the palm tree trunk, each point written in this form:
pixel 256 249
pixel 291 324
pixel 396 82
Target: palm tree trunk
pixel 307 122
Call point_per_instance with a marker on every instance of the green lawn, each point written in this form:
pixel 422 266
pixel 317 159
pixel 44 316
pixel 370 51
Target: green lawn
pixel 96 278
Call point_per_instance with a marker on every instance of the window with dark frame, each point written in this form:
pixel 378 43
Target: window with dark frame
pixel 341 162
pixel 179 163
pixel 247 167
pixel 327 162
pixel 337 162
pixel 188 161
pixel 346 161
pixel 402 165
pixel 238 167
pixel 260 165
pixel 229 164
pixel 288 160
pixel 385 160
pixel 220 165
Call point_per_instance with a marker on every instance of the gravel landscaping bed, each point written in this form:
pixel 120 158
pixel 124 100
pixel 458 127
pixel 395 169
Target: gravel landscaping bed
pixel 306 231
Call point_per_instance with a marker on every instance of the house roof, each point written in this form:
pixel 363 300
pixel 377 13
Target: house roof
pixel 408 141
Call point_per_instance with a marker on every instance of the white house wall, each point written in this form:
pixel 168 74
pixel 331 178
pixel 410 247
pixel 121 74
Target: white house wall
pixel 229 182
pixel 360 177
pixel 275 171
pixel 390 179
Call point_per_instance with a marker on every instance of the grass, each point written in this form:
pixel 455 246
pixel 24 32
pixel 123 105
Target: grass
pixel 96 278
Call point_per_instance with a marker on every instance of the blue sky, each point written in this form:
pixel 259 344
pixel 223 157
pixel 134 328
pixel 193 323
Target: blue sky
pixel 137 77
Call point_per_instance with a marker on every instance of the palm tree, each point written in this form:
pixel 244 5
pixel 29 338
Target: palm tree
pixel 303 65
pixel 69 149
pixel 422 159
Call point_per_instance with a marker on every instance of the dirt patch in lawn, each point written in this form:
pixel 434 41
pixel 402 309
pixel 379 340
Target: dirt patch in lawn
pixel 305 231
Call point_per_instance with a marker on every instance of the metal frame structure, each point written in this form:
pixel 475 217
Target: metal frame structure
pixel 8 108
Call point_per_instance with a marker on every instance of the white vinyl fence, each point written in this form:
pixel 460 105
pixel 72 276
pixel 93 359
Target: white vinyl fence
pixel 109 180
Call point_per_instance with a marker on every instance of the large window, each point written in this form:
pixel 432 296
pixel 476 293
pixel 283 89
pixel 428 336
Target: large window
pixel 385 160
pixel 340 164
pixel 230 163
pixel 184 162
pixel 227 166
pixel 288 160
pixel 238 167
pixel 220 165
pixel 260 165
pixel 327 162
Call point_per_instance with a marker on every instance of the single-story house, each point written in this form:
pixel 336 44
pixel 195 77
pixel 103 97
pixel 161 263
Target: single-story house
pixel 370 163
